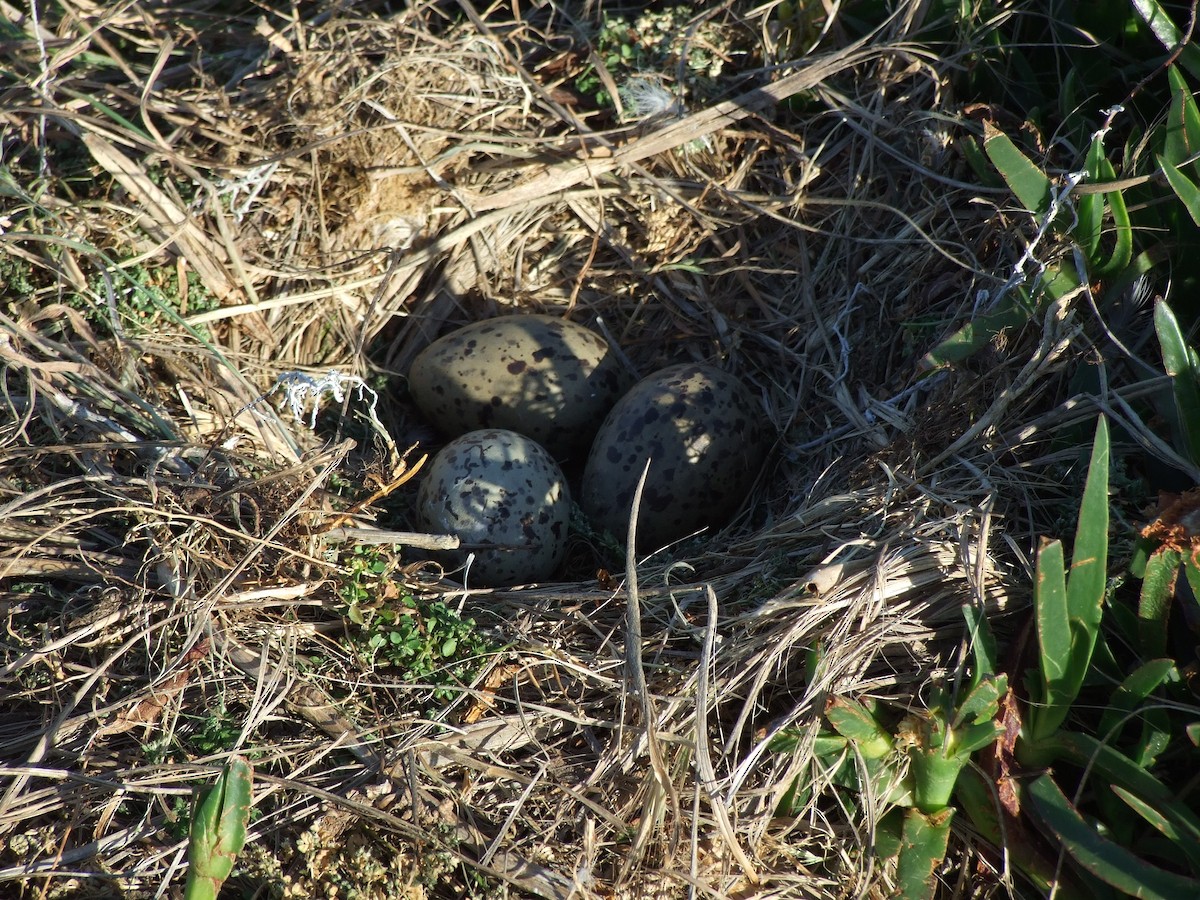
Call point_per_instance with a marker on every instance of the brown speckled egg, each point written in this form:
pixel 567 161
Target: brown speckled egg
pixel 498 487
pixel 706 438
pixel 543 377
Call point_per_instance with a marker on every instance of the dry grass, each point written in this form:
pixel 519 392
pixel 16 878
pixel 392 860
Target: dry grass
pixel 333 191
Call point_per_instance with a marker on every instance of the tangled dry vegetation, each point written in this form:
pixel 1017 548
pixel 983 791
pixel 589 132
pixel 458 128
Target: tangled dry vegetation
pixel 200 199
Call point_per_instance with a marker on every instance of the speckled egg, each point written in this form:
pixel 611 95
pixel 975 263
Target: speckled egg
pixel 498 487
pixel 706 439
pixel 542 377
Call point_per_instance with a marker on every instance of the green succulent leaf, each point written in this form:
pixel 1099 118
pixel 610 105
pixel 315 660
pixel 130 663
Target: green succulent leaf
pixel 976 334
pixel 1089 559
pixel 1110 766
pixel 1185 189
pixel 855 722
pixel 1107 860
pixel 934 775
pixel 1024 179
pixel 1179 363
pixel 1069 610
pixel 1122 252
pixel 218 830
pixel 1053 620
pixel 1191 568
pixel 1168 34
pixel 1182 137
pixel 1183 842
pixel 923 840
pixel 982 702
pixel 976 798
pixel 1132 691
pixel 1089 208
pixel 983 643
pixel 1154 606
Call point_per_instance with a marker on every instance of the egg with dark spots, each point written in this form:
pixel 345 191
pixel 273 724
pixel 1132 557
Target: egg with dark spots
pixel 498 488
pixel 706 439
pixel 546 378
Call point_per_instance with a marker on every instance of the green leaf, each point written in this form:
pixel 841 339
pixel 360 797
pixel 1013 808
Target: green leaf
pixel 1184 188
pixel 218 830
pixel 1053 623
pixel 1187 846
pixel 1014 310
pixel 982 702
pixel 854 721
pixel 923 840
pixel 1108 861
pixel 1024 179
pixel 976 334
pixel 933 777
pixel 1191 568
pixel 1168 34
pixel 1180 365
pixel 976 737
pixel 825 744
pixel 980 168
pixel 1122 252
pixel 1089 558
pixel 1068 614
pixel 1109 765
pixel 1132 691
pixel 888 832
pixel 1056 282
pixel 1154 606
pixel 1089 208
pixel 1143 549
pixel 1181 138
pixel 1154 739
pixel 785 741
pixel 983 643
pixel 975 796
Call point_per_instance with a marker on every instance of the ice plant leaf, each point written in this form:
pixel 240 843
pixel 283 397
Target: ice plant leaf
pixel 1180 366
pixel 1107 860
pixel 1023 178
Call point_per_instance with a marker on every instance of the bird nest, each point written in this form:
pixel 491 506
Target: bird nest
pixel 225 239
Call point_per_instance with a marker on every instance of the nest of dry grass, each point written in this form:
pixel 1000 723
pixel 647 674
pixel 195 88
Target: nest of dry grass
pixel 334 190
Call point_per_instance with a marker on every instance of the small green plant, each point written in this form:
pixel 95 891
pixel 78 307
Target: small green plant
pixel 143 297
pixel 1073 773
pixel 426 639
pixel 657 43
pixel 912 765
pixel 218 830
pixel 217 732
pixel 1147 187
